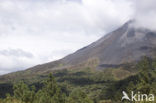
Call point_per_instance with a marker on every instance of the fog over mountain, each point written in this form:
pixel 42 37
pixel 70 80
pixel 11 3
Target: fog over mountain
pixel 38 31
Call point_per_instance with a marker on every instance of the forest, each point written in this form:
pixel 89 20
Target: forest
pixel 85 85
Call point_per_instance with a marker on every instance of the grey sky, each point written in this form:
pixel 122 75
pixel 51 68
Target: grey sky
pixel 38 31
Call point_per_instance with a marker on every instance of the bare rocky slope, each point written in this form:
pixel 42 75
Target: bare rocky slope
pixel 124 45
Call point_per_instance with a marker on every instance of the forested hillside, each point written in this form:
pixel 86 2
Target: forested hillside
pixel 86 85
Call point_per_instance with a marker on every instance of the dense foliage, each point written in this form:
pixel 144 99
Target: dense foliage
pixel 49 93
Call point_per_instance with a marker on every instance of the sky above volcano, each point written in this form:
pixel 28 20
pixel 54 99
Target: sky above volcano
pixel 38 31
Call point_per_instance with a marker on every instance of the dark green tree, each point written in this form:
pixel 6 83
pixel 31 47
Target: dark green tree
pixel 22 92
pixel 78 96
pixel 50 93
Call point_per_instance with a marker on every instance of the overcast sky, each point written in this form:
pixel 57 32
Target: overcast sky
pixel 38 31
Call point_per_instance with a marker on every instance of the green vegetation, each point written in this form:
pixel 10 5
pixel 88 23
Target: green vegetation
pixel 84 85
pixel 49 93
pixel 144 82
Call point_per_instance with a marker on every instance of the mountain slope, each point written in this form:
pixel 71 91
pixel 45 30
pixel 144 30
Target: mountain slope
pixel 124 45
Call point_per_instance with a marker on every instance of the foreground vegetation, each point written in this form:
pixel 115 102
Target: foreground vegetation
pixel 143 82
pixel 84 85
pixel 49 93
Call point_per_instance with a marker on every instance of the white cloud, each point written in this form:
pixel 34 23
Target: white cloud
pixel 51 29
pixel 145 13
pixel 15 59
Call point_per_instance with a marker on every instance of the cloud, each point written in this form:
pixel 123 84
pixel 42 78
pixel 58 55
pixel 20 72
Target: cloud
pixel 15 59
pixel 145 13
pixel 16 53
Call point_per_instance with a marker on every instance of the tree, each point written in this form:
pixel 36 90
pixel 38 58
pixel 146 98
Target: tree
pixel 77 96
pixel 22 92
pixel 50 93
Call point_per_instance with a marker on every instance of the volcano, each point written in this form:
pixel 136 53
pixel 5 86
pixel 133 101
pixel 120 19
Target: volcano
pixel 127 44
